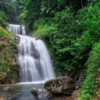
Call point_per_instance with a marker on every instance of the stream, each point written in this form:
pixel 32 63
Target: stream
pixel 23 92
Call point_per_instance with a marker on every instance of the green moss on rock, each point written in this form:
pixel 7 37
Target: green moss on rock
pixel 8 52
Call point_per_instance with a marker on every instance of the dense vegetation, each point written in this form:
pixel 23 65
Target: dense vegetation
pixel 90 83
pixel 71 30
pixel 8 12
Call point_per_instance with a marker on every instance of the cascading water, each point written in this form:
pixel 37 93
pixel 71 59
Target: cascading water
pixel 33 58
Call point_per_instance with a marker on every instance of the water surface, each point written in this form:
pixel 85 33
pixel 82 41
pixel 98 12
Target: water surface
pixel 23 92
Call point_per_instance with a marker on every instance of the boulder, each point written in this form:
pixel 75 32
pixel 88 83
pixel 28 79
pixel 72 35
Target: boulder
pixel 2 77
pixel 60 85
pixel 41 93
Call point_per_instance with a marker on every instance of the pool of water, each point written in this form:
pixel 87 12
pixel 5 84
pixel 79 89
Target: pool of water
pixel 23 92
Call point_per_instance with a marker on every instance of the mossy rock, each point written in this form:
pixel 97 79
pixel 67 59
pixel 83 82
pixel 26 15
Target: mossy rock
pixel 8 54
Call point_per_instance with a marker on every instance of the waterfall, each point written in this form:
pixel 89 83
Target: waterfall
pixel 33 58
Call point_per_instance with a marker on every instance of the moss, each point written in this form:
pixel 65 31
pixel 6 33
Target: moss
pixel 8 52
pixel 4 34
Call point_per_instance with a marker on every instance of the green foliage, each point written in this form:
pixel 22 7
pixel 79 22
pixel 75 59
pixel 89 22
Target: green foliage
pixel 30 13
pixel 90 22
pixel 3 33
pixel 8 12
pixel 3 19
pixel 90 83
pixel 33 10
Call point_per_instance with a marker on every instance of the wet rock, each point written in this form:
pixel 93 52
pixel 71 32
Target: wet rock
pixel 2 77
pixel 77 84
pixel 41 93
pixel 17 39
pixel 8 88
pixel 61 85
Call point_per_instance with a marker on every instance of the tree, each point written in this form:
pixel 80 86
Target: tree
pixel 9 9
